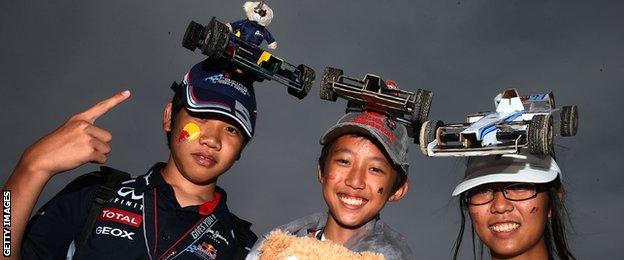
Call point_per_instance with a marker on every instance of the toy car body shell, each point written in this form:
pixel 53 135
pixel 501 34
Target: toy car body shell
pixel 371 91
pixel 263 63
pixel 498 132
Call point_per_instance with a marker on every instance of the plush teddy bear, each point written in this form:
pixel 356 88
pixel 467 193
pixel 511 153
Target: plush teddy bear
pixel 253 29
pixel 283 246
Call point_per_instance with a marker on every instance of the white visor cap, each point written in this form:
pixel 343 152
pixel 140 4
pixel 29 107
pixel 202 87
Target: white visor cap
pixel 523 167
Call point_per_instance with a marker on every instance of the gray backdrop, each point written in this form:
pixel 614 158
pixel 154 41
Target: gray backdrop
pixel 59 57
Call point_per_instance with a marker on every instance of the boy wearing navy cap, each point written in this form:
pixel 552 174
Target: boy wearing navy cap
pixel 175 210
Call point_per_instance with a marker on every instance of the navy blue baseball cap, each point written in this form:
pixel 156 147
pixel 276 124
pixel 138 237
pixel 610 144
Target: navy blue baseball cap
pixel 216 87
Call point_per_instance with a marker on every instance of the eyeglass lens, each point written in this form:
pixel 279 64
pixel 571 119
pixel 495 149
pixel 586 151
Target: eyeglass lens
pixel 513 192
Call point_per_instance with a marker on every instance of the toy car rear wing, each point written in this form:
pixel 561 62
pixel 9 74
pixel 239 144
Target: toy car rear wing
pixel 372 94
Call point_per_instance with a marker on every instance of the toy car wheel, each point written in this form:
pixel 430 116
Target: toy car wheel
pixel 428 134
pixel 307 78
pixel 216 39
pixel 329 76
pixel 192 35
pixel 540 135
pixel 420 109
pixel 569 120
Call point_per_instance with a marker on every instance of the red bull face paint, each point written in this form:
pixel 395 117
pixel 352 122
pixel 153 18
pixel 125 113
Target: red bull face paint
pixel 190 132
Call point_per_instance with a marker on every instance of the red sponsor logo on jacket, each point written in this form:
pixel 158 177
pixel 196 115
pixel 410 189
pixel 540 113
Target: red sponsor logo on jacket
pixel 121 217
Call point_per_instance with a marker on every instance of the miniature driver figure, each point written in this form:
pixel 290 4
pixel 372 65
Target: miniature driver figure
pixel 363 164
pixel 253 29
pixel 174 210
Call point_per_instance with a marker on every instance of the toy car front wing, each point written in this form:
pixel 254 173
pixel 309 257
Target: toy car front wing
pixel 433 149
pixel 452 141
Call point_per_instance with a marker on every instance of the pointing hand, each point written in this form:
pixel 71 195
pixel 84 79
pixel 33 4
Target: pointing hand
pixel 74 143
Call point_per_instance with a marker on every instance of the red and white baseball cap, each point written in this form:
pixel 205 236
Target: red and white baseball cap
pixel 389 133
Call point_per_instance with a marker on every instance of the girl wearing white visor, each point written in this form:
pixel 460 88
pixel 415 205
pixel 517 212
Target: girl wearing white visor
pixel 515 203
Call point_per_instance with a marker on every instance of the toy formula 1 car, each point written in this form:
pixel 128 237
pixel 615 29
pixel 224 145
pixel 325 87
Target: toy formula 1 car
pixel 373 93
pixel 518 122
pixel 215 40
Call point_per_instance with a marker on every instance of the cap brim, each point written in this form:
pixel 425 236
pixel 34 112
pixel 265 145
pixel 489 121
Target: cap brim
pixel 512 173
pixel 205 104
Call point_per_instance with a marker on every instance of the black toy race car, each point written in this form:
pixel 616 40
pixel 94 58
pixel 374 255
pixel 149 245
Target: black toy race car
pixel 409 108
pixel 216 40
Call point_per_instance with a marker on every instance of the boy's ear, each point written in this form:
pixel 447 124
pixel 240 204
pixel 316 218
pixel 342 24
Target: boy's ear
pixel 400 192
pixel 166 123
pixel 319 175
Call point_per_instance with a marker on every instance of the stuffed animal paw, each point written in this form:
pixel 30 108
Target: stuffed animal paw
pixel 283 246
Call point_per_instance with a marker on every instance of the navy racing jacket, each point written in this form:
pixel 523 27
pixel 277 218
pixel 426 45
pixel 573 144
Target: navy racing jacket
pixel 142 220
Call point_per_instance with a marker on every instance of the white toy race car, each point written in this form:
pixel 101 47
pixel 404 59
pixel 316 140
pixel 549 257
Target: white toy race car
pixel 518 122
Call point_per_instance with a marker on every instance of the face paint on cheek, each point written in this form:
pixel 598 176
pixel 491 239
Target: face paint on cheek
pixel 380 190
pixel 475 213
pixel 190 132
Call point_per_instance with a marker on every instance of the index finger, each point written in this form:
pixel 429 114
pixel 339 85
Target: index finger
pixel 104 106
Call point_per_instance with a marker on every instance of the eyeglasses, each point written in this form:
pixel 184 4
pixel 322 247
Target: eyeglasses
pixel 513 192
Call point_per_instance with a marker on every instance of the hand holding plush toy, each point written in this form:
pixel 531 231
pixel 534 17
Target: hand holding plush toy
pixel 282 246
pixel 253 29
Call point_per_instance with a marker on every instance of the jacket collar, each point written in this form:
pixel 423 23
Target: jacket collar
pixel 154 179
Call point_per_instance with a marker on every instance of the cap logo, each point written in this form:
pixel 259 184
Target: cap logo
pixel 375 120
pixel 392 84
pixel 223 79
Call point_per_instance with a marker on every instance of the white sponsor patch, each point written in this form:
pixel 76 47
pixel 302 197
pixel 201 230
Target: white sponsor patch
pixel 114 232
pixel 205 228
pixel 147 177
pixel 125 191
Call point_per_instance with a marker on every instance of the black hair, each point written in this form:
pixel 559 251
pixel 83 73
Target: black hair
pixel 401 176
pixel 554 234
